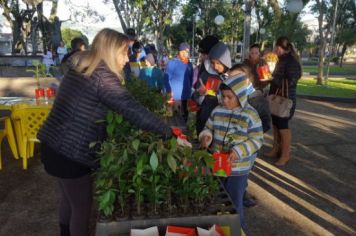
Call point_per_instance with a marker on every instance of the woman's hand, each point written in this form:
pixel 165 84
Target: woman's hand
pixel 205 141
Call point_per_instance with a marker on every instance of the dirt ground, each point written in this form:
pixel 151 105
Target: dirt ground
pixel 313 195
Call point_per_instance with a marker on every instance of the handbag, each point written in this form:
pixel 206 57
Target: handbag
pixel 280 105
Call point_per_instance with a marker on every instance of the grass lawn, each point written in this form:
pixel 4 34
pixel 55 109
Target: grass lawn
pixel 337 87
pixel 333 69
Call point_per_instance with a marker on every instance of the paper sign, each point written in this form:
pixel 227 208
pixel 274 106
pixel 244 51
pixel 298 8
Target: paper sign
pixel 181 231
pixel 153 231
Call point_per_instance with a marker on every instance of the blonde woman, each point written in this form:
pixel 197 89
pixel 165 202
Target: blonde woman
pixel 92 86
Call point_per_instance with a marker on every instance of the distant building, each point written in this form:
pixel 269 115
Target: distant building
pixel 5 43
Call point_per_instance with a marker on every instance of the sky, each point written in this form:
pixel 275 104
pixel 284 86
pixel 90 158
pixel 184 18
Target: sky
pixel 90 28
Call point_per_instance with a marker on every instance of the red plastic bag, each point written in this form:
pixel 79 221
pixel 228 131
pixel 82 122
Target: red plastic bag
pixel 222 164
pixel 212 85
pixel 264 73
pixel 193 106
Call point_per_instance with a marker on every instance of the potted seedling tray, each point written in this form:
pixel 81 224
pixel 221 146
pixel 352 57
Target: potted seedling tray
pixel 221 211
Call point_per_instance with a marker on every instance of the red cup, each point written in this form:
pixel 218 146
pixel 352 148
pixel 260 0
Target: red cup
pixel 50 92
pixel 39 93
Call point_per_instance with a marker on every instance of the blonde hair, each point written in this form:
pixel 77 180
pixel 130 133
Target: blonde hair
pixel 106 45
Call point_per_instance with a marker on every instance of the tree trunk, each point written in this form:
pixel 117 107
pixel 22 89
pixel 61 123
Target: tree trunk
pixel 319 79
pixel 247 29
pixel 344 47
pixel 118 11
pixel 34 37
pixel 42 25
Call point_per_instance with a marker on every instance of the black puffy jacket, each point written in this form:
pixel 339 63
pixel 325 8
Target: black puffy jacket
pixel 71 125
pixel 287 68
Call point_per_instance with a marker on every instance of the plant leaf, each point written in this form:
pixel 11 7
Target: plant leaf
pixel 118 118
pixel 135 144
pixel 154 161
pixel 110 129
pixel 172 163
pixel 110 117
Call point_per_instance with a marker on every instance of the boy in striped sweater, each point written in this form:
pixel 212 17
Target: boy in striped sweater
pixel 235 127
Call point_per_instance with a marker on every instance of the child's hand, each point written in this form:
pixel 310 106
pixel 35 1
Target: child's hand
pixel 233 156
pixel 205 141
pixel 201 90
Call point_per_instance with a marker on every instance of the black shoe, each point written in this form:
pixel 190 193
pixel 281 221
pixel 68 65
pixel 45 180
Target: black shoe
pixel 249 202
pixel 64 230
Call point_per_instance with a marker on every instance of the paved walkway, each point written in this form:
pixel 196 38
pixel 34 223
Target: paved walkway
pixel 313 195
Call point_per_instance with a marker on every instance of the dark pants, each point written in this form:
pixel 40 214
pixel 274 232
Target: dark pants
pixel 75 204
pixel 235 186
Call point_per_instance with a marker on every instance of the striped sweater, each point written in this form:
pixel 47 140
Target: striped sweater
pixel 238 130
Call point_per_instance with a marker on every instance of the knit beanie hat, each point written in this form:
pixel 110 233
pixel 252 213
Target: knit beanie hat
pixel 207 43
pixel 183 46
pixel 137 47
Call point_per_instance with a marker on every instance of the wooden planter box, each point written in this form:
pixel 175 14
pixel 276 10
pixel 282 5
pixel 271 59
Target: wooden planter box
pixel 229 217
pixel 122 228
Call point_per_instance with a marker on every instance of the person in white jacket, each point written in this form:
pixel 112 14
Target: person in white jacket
pixel 61 51
pixel 47 59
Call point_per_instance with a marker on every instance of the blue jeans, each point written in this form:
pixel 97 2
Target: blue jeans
pixel 236 186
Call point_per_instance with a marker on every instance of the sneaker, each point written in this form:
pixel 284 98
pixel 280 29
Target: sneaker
pixel 249 202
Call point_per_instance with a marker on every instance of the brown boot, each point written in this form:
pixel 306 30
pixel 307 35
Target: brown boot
pixel 286 139
pixel 275 151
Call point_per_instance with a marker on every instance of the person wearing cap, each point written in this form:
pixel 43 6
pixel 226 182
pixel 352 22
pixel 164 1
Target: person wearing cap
pixel 137 59
pixel 178 79
pixel 151 74
pixel 206 102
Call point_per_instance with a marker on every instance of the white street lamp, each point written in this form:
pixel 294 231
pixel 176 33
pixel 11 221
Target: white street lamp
pixel 295 6
pixel 219 20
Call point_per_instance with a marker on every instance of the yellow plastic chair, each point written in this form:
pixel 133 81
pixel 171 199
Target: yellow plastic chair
pixel 8 132
pixel 27 121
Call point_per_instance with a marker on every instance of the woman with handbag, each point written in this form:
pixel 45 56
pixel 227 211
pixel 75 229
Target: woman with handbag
pixel 283 85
